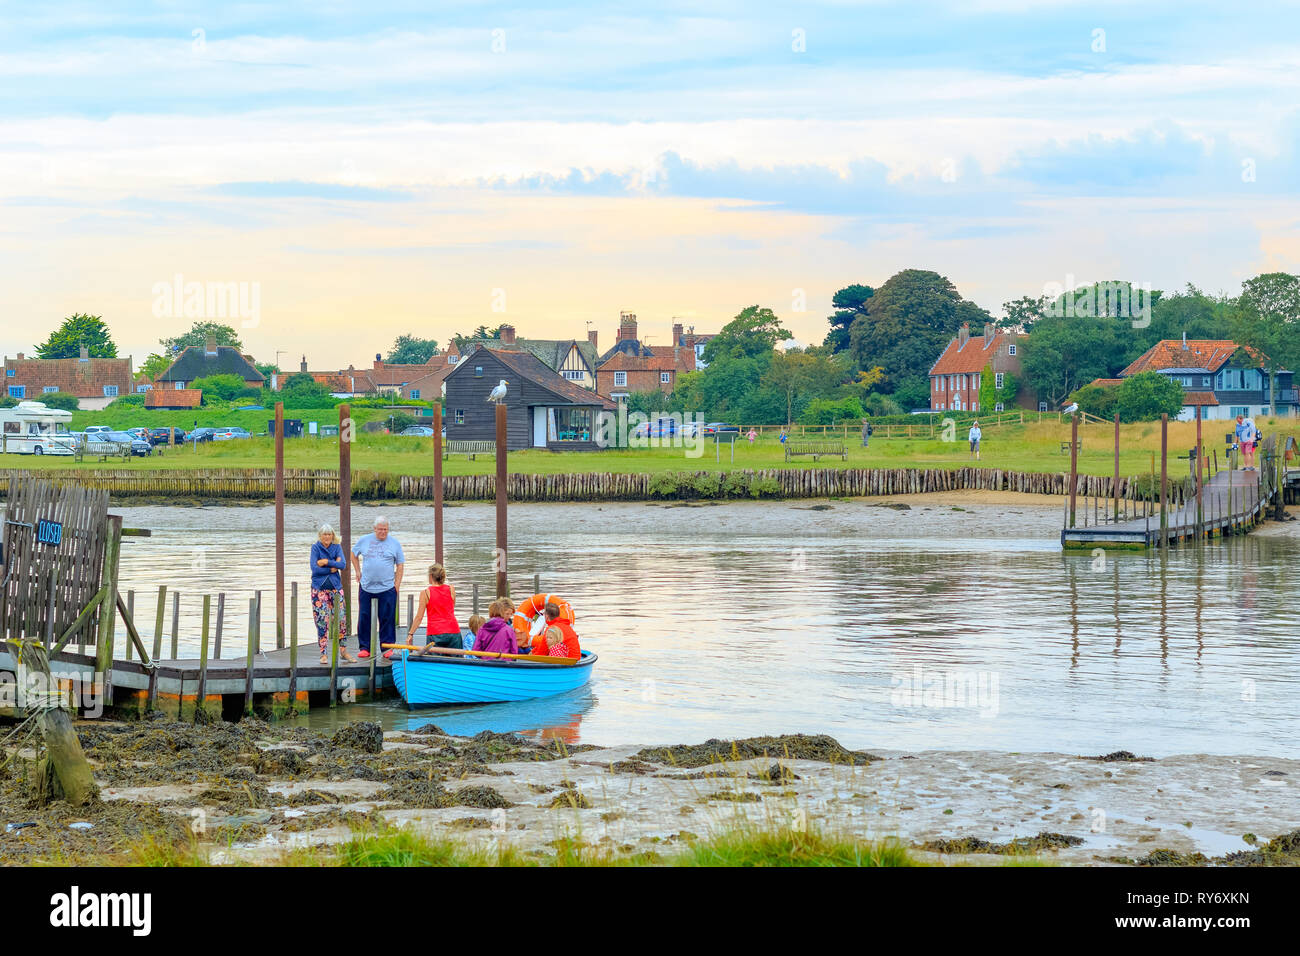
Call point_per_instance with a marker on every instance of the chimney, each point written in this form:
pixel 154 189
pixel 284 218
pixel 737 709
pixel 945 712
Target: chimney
pixel 85 353
pixel 988 334
pixel 20 356
pixel 627 326
pixel 302 367
pixel 211 347
pixel 591 337
pixel 963 335
pixel 379 361
pixel 688 340
pixel 508 335
pixel 677 334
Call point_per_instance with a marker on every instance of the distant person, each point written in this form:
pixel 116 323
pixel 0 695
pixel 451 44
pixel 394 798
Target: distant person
pixel 974 436
pixel 438 608
pixel 327 563
pixel 784 436
pixel 378 562
pixel 1247 437
pixel 559 639
pixel 497 635
pixel 751 436
pixel 474 625
pixel 867 432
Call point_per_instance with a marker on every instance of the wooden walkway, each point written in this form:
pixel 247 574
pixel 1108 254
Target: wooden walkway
pixel 1231 502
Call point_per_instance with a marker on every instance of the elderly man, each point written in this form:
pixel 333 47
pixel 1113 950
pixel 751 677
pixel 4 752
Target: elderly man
pixel 377 562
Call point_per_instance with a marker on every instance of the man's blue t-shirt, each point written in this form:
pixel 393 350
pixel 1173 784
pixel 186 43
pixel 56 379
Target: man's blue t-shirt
pixel 379 561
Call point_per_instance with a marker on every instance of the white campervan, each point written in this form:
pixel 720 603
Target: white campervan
pixel 31 428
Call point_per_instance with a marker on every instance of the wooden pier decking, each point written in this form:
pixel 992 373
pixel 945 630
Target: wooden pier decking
pixel 1230 502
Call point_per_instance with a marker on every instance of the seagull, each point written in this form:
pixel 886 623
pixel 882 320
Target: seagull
pixel 499 393
pixel 1071 408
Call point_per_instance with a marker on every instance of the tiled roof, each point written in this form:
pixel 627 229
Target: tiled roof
pixel 969 358
pixel 1107 381
pixel 71 376
pixel 173 398
pixel 652 358
pixel 531 367
pixel 550 352
pixel 1199 398
pixel 1170 354
pixel 195 362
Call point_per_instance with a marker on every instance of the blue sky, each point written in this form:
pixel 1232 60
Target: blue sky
pixel 384 168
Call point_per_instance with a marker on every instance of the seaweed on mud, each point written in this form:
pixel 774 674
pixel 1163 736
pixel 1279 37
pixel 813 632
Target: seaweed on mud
pixel 470 823
pixel 775 774
pixel 1119 756
pixel 571 798
pixel 1283 850
pixel 1034 844
pixel 637 767
pixel 308 798
pixel 430 794
pixel 238 796
pixel 1166 857
pixel 734 796
pixel 363 735
pixel 790 746
pixel 116 827
pixel 326 818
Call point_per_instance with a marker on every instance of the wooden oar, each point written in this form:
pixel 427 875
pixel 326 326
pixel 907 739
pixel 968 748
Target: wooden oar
pixel 539 658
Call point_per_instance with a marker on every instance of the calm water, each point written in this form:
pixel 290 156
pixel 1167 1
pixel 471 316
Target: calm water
pixel 741 619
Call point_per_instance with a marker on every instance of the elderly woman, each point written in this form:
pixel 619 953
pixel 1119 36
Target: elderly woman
pixel 327 563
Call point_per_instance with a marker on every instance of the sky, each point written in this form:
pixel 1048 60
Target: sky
pixel 361 171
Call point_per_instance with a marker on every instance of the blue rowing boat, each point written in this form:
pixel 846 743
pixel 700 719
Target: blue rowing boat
pixel 444 679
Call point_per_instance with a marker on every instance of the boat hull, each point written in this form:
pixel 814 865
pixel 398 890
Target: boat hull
pixel 432 680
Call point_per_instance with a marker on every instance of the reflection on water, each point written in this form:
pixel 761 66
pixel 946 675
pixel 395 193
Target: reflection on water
pixel 932 628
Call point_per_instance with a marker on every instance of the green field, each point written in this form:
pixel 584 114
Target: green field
pixel 1032 447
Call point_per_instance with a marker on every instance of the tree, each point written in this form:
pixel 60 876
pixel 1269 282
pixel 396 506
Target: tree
pixel 849 302
pixel 907 325
pixel 1065 352
pixel 1099 400
pixel 154 366
pixel 1147 396
pixel 226 388
pixel 1019 315
pixel 76 331
pixel 790 375
pixel 482 332
pixel 411 350
pixel 61 400
pixel 198 335
pixel 753 333
pixel 990 396
pixel 1269 323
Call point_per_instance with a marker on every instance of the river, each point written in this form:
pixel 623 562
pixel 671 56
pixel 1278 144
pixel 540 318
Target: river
pixel 934 627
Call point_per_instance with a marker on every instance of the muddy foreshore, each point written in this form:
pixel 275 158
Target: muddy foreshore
pixel 250 791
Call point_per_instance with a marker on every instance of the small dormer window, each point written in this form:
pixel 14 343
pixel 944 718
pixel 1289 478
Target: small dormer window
pixel 1011 349
pixel 478 371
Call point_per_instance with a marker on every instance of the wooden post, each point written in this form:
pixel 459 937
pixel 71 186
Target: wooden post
pixel 293 647
pixel 410 611
pixel 1074 463
pixel 108 609
pixel 537 583
pixel 221 614
pixel 130 612
pixel 66 762
pixel 1164 480
pixel 437 482
pixel 1115 489
pixel 1200 480
pixel 248 671
pixel 160 614
pixel 503 583
pixel 279 525
pixel 345 504
pixel 335 616
pixel 475 611
pixel 176 622
pixel 202 692
pixel 375 649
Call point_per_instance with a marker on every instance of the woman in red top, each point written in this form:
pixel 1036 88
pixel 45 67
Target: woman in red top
pixel 438 608
pixel 559 639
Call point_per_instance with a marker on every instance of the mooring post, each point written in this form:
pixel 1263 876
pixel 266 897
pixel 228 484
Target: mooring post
pixel 221 614
pixel 248 668
pixel 410 611
pixel 375 649
pixel 1074 462
pixel 279 525
pixel 345 504
pixel 503 583
pixel 176 623
pixel 161 614
pixel 1115 488
pixel 475 611
pixel 130 612
pixel 108 609
pixel 1200 480
pixel 1164 480
pixel 202 692
pixel 293 647
pixel 437 482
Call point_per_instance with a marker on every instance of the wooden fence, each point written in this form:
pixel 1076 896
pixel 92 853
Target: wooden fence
pixel 323 484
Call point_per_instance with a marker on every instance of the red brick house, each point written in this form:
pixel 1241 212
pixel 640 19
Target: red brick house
pixel 94 381
pixel 631 366
pixel 956 376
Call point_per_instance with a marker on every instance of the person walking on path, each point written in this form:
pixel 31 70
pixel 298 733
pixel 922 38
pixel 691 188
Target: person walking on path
pixel 1247 437
pixel 438 608
pixel 974 436
pixel 327 563
pixel 866 432
pixel 378 562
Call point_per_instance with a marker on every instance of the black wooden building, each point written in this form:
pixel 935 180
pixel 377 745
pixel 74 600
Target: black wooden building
pixel 543 409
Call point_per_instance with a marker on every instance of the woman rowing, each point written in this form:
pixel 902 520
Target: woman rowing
pixel 438 608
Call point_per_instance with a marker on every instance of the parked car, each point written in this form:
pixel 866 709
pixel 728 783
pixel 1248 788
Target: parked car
pixel 98 429
pixel 417 431
pixel 160 436
pixel 663 428
pixel 716 428
pixel 138 446
pixel 139 432
pixel 230 432
pixel 201 434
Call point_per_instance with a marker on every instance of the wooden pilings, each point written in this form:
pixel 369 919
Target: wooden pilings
pixel 502 497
